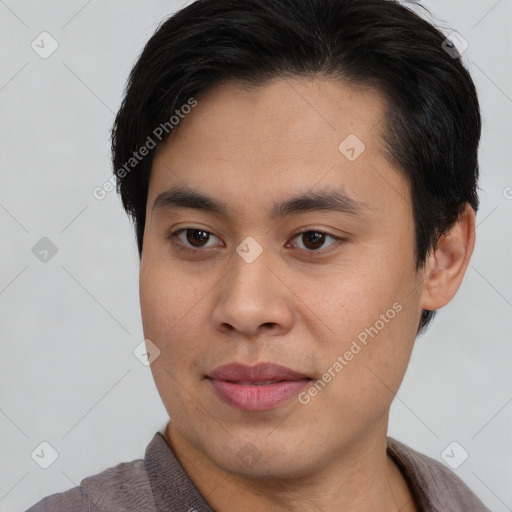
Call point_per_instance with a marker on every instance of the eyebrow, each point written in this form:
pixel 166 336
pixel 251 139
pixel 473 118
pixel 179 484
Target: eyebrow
pixel 324 200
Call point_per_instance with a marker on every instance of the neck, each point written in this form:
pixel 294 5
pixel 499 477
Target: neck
pixel 364 478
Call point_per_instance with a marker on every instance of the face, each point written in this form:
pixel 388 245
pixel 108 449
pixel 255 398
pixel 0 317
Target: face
pixel 255 275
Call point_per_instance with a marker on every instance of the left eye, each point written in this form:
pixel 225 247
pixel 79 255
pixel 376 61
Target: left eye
pixel 314 240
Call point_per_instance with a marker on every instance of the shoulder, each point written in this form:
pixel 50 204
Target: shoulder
pixel 434 485
pixel 124 487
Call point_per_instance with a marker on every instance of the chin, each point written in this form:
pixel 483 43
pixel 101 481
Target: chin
pixel 263 460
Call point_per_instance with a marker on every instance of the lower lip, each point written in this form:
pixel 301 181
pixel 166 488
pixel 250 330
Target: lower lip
pixel 257 398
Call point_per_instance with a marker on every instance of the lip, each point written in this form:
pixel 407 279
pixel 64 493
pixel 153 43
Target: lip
pixel 237 385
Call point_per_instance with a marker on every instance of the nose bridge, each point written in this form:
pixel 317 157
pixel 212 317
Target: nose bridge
pixel 252 295
pixel 250 275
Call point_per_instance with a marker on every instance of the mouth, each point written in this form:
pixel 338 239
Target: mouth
pixel 256 383
pixel 261 372
pixel 256 388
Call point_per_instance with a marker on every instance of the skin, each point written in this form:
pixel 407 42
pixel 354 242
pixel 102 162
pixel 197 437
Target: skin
pixel 294 305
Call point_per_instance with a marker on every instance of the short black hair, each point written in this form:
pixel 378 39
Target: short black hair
pixel 431 130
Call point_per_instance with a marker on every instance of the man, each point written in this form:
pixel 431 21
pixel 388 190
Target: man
pixel 302 177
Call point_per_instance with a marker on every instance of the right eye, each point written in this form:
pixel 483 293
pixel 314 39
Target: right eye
pixel 190 238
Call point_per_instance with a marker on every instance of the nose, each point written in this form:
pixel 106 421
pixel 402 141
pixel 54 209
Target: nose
pixel 253 299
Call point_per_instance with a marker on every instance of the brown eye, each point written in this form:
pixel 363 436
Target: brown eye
pixel 314 240
pixel 197 237
pixel 194 238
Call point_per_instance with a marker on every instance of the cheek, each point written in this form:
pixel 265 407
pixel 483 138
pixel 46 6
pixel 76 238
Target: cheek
pixel 175 311
pixel 351 296
pixel 370 320
pixel 166 296
pixel 171 312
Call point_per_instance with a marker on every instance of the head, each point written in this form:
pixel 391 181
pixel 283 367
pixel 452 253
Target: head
pixel 251 118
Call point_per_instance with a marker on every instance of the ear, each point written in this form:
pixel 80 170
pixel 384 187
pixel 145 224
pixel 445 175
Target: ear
pixel 445 267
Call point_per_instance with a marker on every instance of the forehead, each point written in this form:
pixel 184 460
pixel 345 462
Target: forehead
pixel 281 139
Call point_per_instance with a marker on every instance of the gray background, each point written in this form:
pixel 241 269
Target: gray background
pixel 69 325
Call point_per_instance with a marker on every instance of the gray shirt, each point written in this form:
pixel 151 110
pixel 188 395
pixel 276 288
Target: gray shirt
pixel 159 483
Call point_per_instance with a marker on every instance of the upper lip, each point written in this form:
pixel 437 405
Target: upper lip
pixel 260 372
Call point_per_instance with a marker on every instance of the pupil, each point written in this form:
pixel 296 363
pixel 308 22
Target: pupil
pixel 315 238
pixel 198 236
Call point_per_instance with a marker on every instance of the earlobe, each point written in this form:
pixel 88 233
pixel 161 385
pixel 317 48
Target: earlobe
pixel 446 265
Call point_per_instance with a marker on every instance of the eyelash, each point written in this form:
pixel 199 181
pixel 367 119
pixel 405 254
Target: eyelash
pixel 175 234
